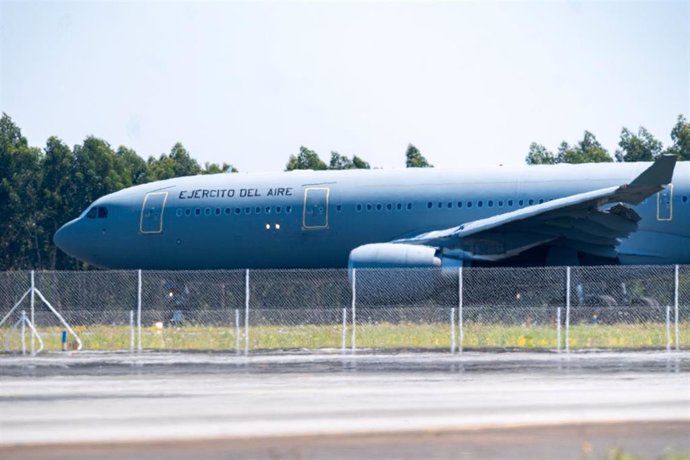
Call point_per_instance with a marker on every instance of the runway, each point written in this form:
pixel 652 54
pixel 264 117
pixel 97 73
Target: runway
pixel 309 406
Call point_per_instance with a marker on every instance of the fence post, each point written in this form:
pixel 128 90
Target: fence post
pixel 452 330
pixel 344 340
pixel 246 312
pixel 668 328
pixel 567 309
pixel 139 309
pixel 354 309
pixel 675 313
pixel 23 332
pixel 33 304
pixel 237 331
pixel 131 331
pixel 558 329
pixel 461 328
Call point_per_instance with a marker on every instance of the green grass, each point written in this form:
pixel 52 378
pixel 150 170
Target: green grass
pixel 394 336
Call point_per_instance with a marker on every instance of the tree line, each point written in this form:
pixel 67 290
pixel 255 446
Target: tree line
pixel 640 146
pixel 42 188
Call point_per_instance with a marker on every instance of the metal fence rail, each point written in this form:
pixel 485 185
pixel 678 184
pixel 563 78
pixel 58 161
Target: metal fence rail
pixel 549 308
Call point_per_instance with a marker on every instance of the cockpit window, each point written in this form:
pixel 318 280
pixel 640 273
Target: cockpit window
pixel 100 212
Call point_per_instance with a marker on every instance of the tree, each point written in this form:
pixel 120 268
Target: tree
pixel 59 202
pixel 680 135
pixel 588 150
pixel 339 161
pixel 213 168
pixel 306 159
pixel 177 163
pixel 414 158
pixel 539 155
pixel 133 165
pixel 20 176
pixel 640 147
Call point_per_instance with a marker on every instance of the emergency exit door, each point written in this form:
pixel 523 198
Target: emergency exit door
pixel 664 203
pixel 152 212
pixel 315 215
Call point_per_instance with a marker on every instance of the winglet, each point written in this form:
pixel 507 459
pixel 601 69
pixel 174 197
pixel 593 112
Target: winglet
pixel 650 181
pixel 660 173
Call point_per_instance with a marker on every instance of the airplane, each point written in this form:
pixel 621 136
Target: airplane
pixel 588 214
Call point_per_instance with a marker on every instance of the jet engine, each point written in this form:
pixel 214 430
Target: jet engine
pixel 397 274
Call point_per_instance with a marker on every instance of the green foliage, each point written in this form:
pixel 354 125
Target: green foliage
pixel 680 135
pixel 588 150
pixel 414 158
pixel 41 190
pixel 339 161
pixel 638 147
pixel 213 168
pixel 306 159
pixel 177 163
pixel 20 177
pixel 539 155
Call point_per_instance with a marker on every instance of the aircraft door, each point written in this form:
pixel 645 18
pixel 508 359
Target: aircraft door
pixel 664 203
pixel 152 212
pixel 315 214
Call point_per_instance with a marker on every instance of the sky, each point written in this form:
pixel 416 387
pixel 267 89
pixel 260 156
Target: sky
pixel 248 83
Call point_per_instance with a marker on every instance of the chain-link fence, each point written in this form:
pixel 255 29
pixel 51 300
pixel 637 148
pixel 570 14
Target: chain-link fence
pixel 543 308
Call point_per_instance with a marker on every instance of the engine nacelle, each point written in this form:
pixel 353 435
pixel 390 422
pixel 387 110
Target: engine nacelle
pixel 395 274
pixel 391 255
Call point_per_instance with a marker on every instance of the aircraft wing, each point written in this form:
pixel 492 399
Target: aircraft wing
pixel 591 222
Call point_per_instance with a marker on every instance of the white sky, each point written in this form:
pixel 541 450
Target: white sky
pixel 249 82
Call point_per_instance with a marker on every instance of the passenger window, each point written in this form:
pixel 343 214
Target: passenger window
pixel 339 208
pixel 93 212
pixel 258 210
pixel 510 202
pixel 178 212
pixel 429 204
pixel 685 198
pixel 188 212
pixel 490 204
pixel 521 202
pixel 207 211
pixel 440 205
pixel 500 203
pixel 388 206
pixel 359 207
pixel 379 207
pixel 268 210
pixel 369 207
pixel 450 205
pixel 197 211
pixel 409 206
pixel 399 206
pixel 288 209
pixel 227 211
pixel 469 204
pixel 247 210
pixel 459 204
pixel 531 202
pixel 238 211
pixel 218 211
pixel 480 203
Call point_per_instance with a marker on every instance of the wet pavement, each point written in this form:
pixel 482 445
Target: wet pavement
pixel 164 399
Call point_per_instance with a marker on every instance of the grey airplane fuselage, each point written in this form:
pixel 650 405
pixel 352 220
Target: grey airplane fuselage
pixel 313 219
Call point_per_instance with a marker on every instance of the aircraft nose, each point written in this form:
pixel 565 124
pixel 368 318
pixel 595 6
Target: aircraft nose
pixel 65 238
